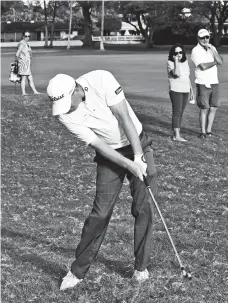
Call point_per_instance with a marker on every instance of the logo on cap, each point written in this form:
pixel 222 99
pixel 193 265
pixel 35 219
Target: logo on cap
pixel 56 98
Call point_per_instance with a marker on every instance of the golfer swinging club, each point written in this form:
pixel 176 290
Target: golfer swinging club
pixel 95 110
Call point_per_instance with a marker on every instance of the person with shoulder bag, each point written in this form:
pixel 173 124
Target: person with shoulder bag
pixel 13 76
pixel 23 59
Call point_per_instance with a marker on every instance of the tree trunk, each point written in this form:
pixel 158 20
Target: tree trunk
pixel 87 42
pixel 53 25
pixel 220 33
pixel 46 25
pixel 214 34
pixel 142 30
pixel 46 36
pixel 52 35
pixel 150 38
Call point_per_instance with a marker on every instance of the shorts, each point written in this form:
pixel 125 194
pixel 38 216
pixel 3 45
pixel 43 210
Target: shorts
pixel 207 97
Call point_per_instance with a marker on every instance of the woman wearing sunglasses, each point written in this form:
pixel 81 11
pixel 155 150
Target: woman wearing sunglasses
pixel 23 57
pixel 179 86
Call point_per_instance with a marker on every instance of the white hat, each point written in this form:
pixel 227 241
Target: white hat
pixel 59 90
pixel 202 33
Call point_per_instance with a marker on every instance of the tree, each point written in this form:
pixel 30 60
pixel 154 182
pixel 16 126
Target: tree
pixel 151 16
pixel 86 10
pixel 112 23
pixel 11 10
pixel 53 24
pixel 216 12
pixel 46 25
pixel 38 11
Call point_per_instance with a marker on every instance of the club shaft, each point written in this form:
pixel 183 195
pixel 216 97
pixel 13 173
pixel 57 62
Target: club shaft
pixel 163 221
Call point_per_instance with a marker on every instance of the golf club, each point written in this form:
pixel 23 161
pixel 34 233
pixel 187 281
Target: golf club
pixel 184 272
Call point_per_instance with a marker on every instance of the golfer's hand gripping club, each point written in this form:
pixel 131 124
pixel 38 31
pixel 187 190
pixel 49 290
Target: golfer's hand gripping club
pixel 140 160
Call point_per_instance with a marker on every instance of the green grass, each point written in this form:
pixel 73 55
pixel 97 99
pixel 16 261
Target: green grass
pixel 48 185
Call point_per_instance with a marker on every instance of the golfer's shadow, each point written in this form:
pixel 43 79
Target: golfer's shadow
pixel 119 267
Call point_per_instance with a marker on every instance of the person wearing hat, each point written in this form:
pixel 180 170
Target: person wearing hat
pixel 94 109
pixel 206 59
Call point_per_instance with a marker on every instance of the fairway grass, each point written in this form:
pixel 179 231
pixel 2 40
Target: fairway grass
pixel 48 186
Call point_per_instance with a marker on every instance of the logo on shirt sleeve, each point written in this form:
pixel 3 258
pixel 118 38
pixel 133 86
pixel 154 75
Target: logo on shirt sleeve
pixel 119 89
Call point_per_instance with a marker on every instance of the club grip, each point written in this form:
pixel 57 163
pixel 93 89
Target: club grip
pixel 145 181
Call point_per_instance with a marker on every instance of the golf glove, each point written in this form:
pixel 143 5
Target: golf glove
pixel 141 160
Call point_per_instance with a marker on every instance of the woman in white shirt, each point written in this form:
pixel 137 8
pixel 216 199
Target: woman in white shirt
pixel 179 86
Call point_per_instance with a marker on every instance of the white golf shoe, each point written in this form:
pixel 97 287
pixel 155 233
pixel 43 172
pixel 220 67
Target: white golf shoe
pixel 141 276
pixel 69 281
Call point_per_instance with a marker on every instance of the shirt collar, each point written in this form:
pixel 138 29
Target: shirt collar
pixel 199 45
pixel 84 84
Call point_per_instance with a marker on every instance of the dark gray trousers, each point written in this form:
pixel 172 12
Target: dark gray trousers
pixel 109 181
pixel 179 102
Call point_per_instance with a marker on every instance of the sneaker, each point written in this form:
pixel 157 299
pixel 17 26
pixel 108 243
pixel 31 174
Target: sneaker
pixel 179 139
pixel 141 276
pixel 69 281
pixel 202 136
pixel 209 134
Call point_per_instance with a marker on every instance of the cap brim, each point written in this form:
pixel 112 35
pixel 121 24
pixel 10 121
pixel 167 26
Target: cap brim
pixel 203 34
pixel 61 106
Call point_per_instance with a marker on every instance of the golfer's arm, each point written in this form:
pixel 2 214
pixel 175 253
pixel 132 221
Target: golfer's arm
pixel 121 113
pixel 109 153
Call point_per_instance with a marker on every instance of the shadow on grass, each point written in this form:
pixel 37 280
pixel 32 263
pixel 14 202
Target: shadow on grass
pixel 145 98
pixel 51 268
pixel 152 123
pixel 37 240
pixel 26 256
pixel 161 107
pixel 119 267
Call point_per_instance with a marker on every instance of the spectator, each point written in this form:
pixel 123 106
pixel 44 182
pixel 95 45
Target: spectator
pixel 179 86
pixel 206 58
pixel 94 109
pixel 23 57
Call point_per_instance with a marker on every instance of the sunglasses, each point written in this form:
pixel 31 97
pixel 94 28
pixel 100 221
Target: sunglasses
pixel 205 37
pixel 27 36
pixel 176 53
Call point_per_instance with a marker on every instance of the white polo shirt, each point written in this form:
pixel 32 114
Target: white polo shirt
pixel 180 84
pixel 201 55
pixel 93 118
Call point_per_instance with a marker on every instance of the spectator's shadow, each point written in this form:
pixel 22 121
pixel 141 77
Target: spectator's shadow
pixel 162 128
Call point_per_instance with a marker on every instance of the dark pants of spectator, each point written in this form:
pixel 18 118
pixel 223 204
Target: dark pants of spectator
pixel 110 177
pixel 179 101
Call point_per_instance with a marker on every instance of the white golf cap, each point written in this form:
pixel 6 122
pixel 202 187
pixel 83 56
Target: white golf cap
pixel 59 90
pixel 202 33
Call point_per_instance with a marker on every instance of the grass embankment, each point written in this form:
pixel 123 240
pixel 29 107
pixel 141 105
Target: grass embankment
pixel 48 185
